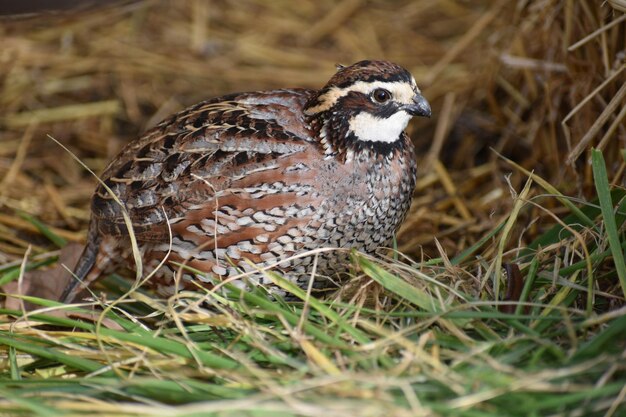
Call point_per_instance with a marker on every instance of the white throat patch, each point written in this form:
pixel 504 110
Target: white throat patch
pixel 370 128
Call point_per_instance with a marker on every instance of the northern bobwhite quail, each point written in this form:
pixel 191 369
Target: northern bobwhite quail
pixel 259 177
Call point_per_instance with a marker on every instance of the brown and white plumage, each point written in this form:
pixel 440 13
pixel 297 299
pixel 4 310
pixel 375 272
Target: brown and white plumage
pixel 258 177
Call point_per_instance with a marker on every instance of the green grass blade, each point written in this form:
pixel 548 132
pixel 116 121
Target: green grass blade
pixel 44 230
pixel 15 368
pixel 558 232
pixel 469 251
pixel 528 285
pixel 50 353
pixel 293 319
pixel 33 405
pixel 13 273
pixel 398 286
pixel 319 306
pixel 519 203
pixel 582 217
pixel 140 337
pixel 601 181
pixel 604 342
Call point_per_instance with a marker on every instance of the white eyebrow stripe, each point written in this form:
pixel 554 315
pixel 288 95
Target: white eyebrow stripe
pixel 402 92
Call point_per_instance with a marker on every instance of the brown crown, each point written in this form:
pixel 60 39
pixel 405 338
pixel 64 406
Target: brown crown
pixel 368 71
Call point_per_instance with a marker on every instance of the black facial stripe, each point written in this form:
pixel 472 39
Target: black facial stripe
pixel 386 110
pixel 357 102
pixel 354 102
pixel 381 148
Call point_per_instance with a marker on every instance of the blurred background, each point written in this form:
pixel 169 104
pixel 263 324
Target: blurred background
pixel 538 82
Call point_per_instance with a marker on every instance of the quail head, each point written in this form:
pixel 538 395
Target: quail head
pixel 251 180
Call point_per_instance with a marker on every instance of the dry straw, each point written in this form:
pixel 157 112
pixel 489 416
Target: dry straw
pixel 521 92
pixel 537 81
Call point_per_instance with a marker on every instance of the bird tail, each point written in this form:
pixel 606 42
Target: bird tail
pixel 85 265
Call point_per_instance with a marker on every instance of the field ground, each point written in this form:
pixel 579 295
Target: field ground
pixel 505 296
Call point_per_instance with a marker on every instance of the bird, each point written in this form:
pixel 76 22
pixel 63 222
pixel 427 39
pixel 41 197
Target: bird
pixel 250 180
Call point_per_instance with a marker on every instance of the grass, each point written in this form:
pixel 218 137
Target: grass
pixel 524 88
pixel 405 338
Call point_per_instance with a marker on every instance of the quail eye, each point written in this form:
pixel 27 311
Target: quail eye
pixel 381 95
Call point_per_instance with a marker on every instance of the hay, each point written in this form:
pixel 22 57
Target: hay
pixel 521 91
pixel 536 81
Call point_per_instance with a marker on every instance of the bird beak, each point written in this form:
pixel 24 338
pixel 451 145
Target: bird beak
pixel 420 106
